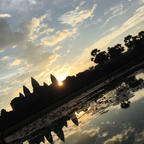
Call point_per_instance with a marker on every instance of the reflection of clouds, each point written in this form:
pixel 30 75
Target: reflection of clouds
pixel 104 134
pixel 121 137
pixel 107 122
pixel 140 75
pixel 83 122
pixel 139 137
pixel 138 95
pixel 82 136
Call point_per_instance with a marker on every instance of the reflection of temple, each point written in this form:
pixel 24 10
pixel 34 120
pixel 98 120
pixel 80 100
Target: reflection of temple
pixel 74 119
pixel 49 137
pixel 37 140
pixel 56 127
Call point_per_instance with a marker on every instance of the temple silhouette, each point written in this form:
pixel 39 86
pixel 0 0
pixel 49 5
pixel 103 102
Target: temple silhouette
pixel 56 127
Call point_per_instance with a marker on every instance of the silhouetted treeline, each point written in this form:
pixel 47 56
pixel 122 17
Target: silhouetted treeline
pixel 109 63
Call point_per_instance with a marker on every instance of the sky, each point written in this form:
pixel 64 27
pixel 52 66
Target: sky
pixel 40 37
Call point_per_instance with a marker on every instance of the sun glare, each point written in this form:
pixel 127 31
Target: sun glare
pixel 60 79
pixel 60 83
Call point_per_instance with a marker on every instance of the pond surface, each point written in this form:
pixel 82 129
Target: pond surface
pixel 112 115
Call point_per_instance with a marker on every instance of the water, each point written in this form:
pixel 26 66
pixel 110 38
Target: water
pixel 112 115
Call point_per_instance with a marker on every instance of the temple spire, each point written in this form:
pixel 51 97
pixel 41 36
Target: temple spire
pixel 21 95
pixel 74 119
pixel 60 134
pixel 45 84
pixel 53 80
pixel 49 137
pixel 26 91
pixel 35 84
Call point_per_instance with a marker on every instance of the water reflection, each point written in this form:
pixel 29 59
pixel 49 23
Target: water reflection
pixel 87 119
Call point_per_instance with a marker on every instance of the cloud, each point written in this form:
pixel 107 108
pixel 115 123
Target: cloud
pixel 30 57
pixel 139 137
pixel 4 58
pixel 115 11
pixel 58 37
pixel 35 58
pixel 7 37
pixel 20 5
pixel 137 18
pixel 32 2
pixel 36 27
pixel 67 51
pixel 83 60
pixel 5 15
pixel 110 30
pixel 15 63
pixel 141 1
pixel 23 39
pixel 76 16
pixel 57 48
pixel 27 31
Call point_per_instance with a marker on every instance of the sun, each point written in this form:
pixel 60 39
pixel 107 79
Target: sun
pixel 60 83
pixel 60 79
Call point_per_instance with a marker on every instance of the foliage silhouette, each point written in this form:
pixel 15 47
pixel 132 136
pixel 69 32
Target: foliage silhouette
pixel 115 51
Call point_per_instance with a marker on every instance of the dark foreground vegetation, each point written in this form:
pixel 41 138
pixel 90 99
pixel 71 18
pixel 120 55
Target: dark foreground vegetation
pixel 108 64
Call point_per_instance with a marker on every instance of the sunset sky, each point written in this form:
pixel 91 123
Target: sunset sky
pixel 40 37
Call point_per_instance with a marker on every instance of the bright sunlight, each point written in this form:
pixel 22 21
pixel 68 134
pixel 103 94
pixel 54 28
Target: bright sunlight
pixel 60 79
pixel 60 83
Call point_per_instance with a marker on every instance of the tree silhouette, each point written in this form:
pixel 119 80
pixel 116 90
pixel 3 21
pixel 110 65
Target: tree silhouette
pixel 115 51
pixel 94 53
pixel 141 35
pixel 129 41
pixel 99 57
